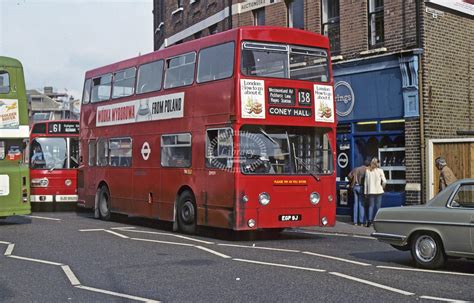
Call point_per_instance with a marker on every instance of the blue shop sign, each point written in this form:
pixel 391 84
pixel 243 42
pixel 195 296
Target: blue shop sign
pixel 369 90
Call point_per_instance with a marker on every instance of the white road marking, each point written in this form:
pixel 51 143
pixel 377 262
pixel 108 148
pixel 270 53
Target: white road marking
pixel 442 299
pixel 3 242
pixel 336 258
pixel 44 218
pixel 400 291
pixel 93 229
pixel 123 228
pixel 280 265
pixel 36 260
pixel 257 247
pixel 166 234
pixel 117 234
pixel 70 275
pixel 162 242
pixel 212 252
pixel 9 250
pixel 427 270
pixel 112 293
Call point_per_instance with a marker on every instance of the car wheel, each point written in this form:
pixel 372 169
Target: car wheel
pixel 427 250
pixel 187 214
pixel 104 203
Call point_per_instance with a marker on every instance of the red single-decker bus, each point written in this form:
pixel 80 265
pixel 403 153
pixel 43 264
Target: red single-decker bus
pixel 234 130
pixel 54 159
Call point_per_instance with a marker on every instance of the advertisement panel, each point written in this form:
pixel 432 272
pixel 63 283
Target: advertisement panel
pixel 9 115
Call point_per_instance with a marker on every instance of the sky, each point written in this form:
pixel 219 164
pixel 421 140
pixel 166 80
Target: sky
pixel 57 41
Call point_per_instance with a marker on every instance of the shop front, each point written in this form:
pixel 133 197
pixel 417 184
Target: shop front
pixel 371 101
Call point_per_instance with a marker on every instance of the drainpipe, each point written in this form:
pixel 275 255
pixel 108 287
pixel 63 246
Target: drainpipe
pixel 419 42
pixel 229 22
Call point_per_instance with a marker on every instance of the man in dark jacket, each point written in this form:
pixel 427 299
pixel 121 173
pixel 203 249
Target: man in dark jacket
pixel 356 178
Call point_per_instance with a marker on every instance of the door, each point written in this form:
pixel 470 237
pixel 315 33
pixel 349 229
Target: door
pixel 459 157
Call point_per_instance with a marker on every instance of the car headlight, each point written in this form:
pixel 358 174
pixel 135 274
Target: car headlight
pixel 39 182
pixel 264 198
pixel 314 198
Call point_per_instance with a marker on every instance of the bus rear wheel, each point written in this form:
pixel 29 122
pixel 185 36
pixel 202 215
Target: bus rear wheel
pixel 104 203
pixel 186 212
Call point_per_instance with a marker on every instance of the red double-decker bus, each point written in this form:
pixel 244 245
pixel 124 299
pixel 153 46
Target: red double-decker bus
pixel 54 159
pixel 235 130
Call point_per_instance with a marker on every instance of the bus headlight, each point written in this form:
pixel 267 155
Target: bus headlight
pixel 39 182
pixel 251 223
pixel 314 198
pixel 324 221
pixel 264 198
pixel 68 182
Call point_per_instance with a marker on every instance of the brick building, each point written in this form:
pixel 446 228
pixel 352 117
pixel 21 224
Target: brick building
pixel 403 75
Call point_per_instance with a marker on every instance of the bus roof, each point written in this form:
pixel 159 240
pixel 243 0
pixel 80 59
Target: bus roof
pixel 259 33
pixel 10 62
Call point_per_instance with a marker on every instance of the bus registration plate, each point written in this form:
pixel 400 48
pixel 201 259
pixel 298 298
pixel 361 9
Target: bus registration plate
pixel 285 218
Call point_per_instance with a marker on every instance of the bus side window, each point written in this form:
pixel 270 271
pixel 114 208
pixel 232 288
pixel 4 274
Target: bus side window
pixel 180 70
pixel 219 148
pixel 150 77
pixel 4 82
pixel 210 69
pixel 92 150
pixel 176 150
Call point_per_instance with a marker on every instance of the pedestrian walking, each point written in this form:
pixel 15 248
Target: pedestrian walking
pixel 374 188
pixel 446 176
pixel 357 180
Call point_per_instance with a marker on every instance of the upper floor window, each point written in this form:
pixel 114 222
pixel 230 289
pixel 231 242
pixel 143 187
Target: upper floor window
pixel 296 14
pixel 4 82
pixel 86 94
pixel 330 26
pixel 210 69
pixel 376 31
pixel 180 70
pixel 124 83
pixel 213 29
pixel 150 77
pixel 101 88
pixel 259 16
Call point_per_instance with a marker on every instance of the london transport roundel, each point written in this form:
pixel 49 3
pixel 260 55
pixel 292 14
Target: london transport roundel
pixel 146 151
pixel 342 160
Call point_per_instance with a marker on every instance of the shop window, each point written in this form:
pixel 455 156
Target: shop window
pixel 330 26
pixel 102 152
pixel 392 125
pixel 295 13
pixel 376 23
pixel 366 127
pixel 210 69
pixel 176 150
pixel 180 70
pixel 124 83
pixel 120 152
pixel 219 148
pixel 150 77
pixel 259 16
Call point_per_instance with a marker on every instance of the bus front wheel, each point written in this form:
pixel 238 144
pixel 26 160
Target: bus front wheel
pixel 186 212
pixel 104 203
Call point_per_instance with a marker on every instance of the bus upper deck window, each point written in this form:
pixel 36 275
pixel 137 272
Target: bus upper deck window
pixel 4 82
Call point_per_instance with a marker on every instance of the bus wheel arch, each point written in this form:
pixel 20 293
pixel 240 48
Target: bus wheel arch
pixel 186 211
pixel 102 202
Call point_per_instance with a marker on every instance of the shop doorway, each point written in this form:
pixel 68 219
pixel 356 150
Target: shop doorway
pixel 459 154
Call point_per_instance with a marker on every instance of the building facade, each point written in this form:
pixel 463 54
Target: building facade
pixel 51 105
pixel 403 75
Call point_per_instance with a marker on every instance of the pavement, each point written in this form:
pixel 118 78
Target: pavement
pixel 344 227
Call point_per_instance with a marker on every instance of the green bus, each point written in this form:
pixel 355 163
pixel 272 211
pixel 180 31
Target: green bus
pixel 14 133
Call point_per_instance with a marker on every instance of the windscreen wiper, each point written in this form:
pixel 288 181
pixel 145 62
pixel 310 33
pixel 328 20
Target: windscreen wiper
pixel 315 176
